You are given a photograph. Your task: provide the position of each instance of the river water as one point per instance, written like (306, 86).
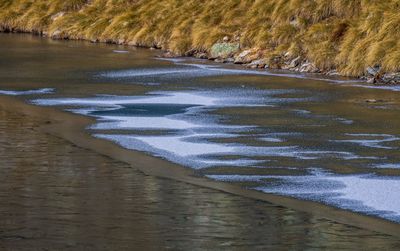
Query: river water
(331, 141)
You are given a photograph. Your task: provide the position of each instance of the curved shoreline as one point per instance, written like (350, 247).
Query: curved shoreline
(71, 127)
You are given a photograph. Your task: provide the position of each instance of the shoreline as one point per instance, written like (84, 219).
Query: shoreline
(302, 66)
(71, 127)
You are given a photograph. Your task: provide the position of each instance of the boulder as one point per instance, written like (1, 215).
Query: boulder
(223, 50)
(243, 57)
(373, 71)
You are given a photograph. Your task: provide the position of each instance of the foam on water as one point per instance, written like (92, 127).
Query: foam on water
(28, 92)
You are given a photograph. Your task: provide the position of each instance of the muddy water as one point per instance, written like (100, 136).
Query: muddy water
(308, 138)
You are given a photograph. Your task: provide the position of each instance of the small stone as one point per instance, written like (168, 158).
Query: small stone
(219, 60)
(371, 80)
(201, 55)
(260, 63)
(225, 39)
(56, 34)
(167, 54)
(332, 73)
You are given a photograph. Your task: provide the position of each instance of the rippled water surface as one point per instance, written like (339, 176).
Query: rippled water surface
(331, 141)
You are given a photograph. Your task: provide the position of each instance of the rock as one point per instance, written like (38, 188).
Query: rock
(225, 39)
(168, 54)
(132, 43)
(294, 22)
(243, 57)
(121, 41)
(219, 60)
(57, 35)
(371, 101)
(295, 62)
(57, 16)
(230, 60)
(223, 50)
(308, 67)
(260, 63)
(371, 80)
(391, 78)
(373, 71)
(333, 73)
(201, 55)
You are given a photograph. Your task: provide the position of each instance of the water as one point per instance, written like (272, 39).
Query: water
(56, 196)
(279, 133)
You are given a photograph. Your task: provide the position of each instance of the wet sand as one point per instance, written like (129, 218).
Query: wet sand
(58, 195)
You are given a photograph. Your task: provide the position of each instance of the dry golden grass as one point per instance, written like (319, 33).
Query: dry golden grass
(348, 35)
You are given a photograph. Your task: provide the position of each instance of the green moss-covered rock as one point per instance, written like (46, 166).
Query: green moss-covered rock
(224, 50)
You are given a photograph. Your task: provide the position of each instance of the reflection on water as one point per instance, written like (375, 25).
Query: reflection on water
(56, 196)
(230, 124)
(199, 141)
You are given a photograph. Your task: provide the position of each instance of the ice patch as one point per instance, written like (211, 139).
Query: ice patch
(124, 123)
(370, 140)
(28, 92)
(120, 51)
(370, 194)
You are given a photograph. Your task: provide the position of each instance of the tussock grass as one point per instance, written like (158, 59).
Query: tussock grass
(348, 35)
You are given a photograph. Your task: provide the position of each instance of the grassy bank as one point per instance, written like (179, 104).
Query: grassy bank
(346, 35)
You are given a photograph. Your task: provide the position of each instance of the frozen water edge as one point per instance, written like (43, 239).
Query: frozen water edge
(370, 194)
(28, 92)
